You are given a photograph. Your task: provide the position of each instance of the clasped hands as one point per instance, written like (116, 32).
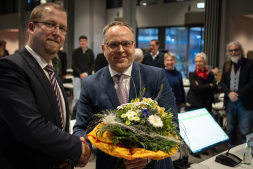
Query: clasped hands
(84, 158)
(233, 96)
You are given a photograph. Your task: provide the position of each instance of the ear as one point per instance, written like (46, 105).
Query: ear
(30, 27)
(103, 48)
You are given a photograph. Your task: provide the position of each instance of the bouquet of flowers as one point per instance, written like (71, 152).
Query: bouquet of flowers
(139, 129)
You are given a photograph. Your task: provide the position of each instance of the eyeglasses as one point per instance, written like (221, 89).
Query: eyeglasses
(114, 45)
(233, 50)
(50, 26)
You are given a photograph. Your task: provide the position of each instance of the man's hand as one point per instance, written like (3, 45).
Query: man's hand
(233, 96)
(83, 75)
(64, 165)
(84, 159)
(137, 163)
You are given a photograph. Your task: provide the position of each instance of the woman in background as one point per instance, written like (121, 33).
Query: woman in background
(202, 85)
(175, 79)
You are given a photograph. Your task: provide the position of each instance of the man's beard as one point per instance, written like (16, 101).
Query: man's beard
(235, 58)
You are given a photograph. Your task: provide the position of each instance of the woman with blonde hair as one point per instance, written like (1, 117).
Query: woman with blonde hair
(175, 79)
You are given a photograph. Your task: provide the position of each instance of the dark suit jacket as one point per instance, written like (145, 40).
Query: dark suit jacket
(158, 62)
(202, 94)
(63, 56)
(98, 93)
(245, 84)
(30, 124)
(100, 62)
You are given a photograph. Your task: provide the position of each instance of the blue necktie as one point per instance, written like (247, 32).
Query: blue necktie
(52, 77)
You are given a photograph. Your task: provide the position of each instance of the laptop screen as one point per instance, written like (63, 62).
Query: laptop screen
(199, 130)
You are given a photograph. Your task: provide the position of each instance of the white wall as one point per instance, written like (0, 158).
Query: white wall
(241, 31)
(89, 19)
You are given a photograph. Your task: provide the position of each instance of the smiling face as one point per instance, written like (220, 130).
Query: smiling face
(153, 47)
(200, 63)
(119, 59)
(169, 63)
(47, 43)
(83, 43)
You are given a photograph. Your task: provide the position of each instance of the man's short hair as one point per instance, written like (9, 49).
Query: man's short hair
(37, 12)
(156, 41)
(169, 54)
(83, 37)
(116, 23)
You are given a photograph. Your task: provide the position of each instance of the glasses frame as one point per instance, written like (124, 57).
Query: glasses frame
(119, 43)
(233, 50)
(54, 26)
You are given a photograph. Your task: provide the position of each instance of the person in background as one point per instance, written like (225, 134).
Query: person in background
(99, 90)
(82, 65)
(63, 58)
(34, 116)
(202, 85)
(175, 80)
(155, 57)
(57, 65)
(138, 55)
(100, 62)
(3, 42)
(237, 84)
(2, 53)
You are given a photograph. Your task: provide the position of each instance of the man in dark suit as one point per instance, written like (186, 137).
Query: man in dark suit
(237, 84)
(99, 90)
(155, 57)
(34, 122)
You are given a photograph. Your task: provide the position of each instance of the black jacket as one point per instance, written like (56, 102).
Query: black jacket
(202, 93)
(82, 62)
(245, 84)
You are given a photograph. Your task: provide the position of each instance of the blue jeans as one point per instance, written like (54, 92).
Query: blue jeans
(77, 83)
(237, 115)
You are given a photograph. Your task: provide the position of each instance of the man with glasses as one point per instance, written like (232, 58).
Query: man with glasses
(34, 116)
(237, 84)
(155, 57)
(99, 90)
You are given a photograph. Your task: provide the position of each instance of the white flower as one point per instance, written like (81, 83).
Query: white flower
(123, 116)
(131, 115)
(155, 120)
(136, 118)
(120, 107)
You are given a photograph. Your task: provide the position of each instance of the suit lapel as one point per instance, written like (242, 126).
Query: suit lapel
(109, 87)
(35, 67)
(135, 82)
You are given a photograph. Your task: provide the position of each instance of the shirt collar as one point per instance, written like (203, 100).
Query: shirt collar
(154, 55)
(127, 72)
(38, 58)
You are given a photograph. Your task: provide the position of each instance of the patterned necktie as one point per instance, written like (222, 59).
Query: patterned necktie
(52, 77)
(121, 92)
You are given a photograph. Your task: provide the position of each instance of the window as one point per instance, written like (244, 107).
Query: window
(184, 42)
(145, 36)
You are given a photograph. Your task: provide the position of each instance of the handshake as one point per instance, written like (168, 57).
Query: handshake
(84, 158)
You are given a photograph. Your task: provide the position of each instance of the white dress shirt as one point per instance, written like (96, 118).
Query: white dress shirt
(126, 80)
